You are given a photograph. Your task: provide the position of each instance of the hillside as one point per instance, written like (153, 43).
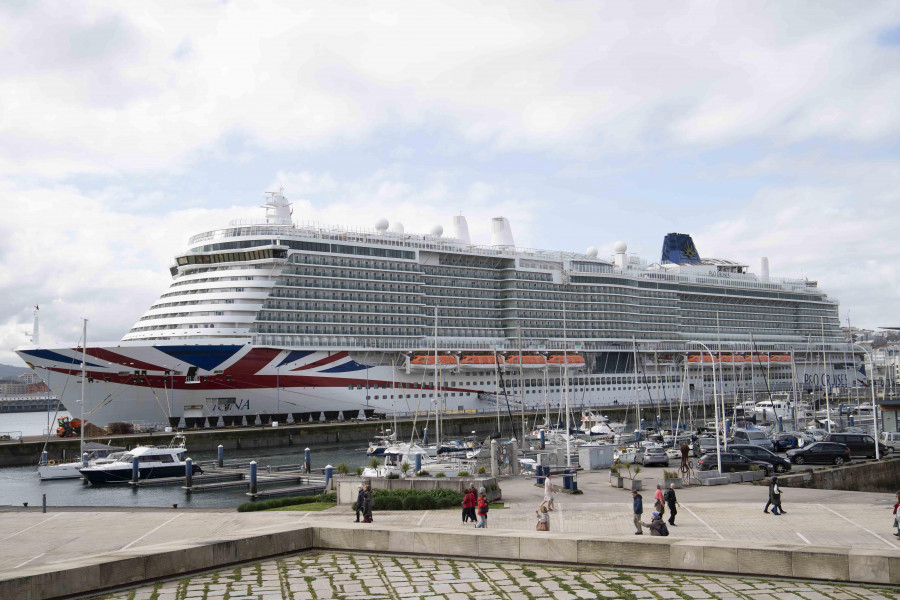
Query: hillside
(10, 371)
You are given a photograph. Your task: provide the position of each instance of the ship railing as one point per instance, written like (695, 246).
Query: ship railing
(10, 436)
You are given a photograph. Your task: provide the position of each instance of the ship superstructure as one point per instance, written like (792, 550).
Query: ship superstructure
(274, 318)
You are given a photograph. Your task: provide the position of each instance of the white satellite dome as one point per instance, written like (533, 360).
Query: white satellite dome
(620, 247)
(381, 225)
(437, 230)
(591, 252)
(397, 227)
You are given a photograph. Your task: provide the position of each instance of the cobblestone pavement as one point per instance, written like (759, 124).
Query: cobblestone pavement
(327, 575)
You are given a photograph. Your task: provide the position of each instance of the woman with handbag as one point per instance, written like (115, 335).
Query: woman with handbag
(543, 518)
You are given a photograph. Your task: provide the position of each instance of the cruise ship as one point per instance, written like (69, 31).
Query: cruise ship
(273, 320)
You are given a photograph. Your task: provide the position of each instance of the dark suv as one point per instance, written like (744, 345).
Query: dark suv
(820, 452)
(860, 444)
(731, 461)
(780, 465)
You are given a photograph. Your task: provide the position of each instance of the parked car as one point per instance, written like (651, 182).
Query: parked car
(778, 464)
(860, 445)
(652, 455)
(891, 438)
(731, 461)
(821, 453)
(785, 441)
(756, 437)
(625, 455)
(817, 434)
(703, 446)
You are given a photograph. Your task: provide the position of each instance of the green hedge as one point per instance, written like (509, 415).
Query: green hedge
(279, 502)
(414, 499)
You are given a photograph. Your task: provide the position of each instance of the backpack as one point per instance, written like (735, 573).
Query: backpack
(663, 530)
(667, 497)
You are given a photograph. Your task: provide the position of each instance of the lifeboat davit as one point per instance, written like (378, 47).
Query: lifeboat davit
(426, 362)
(472, 362)
(573, 361)
(527, 361)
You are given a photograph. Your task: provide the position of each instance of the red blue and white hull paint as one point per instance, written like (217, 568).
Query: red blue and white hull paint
(154, 384)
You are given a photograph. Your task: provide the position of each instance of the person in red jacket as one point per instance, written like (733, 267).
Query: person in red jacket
(468, 505)
(896, 516)
(482, 511)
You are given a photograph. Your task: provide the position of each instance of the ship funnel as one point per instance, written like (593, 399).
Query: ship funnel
(278, 209)
(764, 268)
(461, 229)
(501, 233)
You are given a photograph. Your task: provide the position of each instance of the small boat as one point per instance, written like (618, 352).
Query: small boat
(477, 362)
(526, 361)
(426, 362)
(398, 455)
(573, 361)
(153, 462)
(381, 443)
(98, 454)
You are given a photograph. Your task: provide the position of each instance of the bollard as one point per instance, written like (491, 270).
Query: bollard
(425, 436)
(189, 473)
(135, 471)
(567, 479)
(84, 460)
(43, 503)
(539, 469)
(221, 456)
(659, 422)
(514, 457)
(253, 478)
(851, 420)
(780, 424)
(307, 461)
(418, 462)
(329, 473)
(495, 450)
(574, 487)
(44, 458)
(543, 439)
(643, 425)
(637, 435)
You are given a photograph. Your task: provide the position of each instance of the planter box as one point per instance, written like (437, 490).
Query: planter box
(748, 477)
(677, 481)
(758, 475)
(615, 482)
(631, 484)
(723, 480)
(734, 477)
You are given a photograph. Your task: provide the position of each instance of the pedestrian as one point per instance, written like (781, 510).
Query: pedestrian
(656, 525)
(896, 523)
(658, 499)
(543, 518)
(548, 493)
(367, 504)
(360, 499)
(482, 511)
(774, 502)
(637, 506)
(468, 504)
(672, 501)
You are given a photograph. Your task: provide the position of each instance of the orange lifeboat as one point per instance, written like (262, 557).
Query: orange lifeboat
(696, 358)
(559, 360)
(781, 358)
(477, 361)
(421, 362)
(528, 361)
(757, 358)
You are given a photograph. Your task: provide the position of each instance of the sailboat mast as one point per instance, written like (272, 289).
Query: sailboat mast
(825, 380)
(637, 398)
(83, 379)
(566, 388)
(437, 412)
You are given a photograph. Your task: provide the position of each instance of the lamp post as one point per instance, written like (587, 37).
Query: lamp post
(874, 406)
(715, 404)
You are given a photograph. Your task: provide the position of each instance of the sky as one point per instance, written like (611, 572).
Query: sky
(761, 128)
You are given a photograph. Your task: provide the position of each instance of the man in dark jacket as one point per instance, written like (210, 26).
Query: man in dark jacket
(655, 525)
(360, 497)
(672, 502)
(637, 506)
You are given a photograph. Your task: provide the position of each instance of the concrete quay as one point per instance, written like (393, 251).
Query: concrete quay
(826, 534)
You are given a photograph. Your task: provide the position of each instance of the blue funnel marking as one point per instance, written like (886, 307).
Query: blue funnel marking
(57, 357)
(679, 248)
(203, 357)
(346, 367)
(294, 355)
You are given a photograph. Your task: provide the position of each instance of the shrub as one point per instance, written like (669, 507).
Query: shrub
(342, 468)
(754, 467)
(393, 476)
(423, 473)
(279, 502)
(462, 474)
(670, 474)
(440, 474)
(482, 470)
(374, 463)
(359, 471)
(614, 471)
(405, 467)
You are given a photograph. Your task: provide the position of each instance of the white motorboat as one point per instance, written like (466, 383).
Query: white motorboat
(398, 455)
(98, 454)
(153, 462)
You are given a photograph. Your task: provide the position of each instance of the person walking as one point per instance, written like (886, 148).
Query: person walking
(482, 511)
(773, 501)
(672, 502)
(468, 505)
(896, 523)
(777, 502)
(655, 525)
(367, 504)
(637, 506)
(543, 518)
(548, 493)
(658, 499)
(360, 498)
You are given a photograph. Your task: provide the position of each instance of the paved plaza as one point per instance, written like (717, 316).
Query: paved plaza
(361, 576)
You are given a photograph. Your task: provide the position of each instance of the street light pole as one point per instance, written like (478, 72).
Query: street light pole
(715, 404)
(874, 406)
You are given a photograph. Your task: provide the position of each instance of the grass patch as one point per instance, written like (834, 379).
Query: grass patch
(311, 507)
(279, 502)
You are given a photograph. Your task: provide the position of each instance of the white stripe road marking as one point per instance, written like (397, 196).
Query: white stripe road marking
(149, 532)
(860, 526)
(803, 538)
(33, 526)
(20, 565)
(422, 518)
(688, 508)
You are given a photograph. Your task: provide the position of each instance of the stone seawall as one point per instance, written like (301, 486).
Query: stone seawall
(882, 476)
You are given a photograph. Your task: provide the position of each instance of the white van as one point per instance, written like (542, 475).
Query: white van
(891, 438)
